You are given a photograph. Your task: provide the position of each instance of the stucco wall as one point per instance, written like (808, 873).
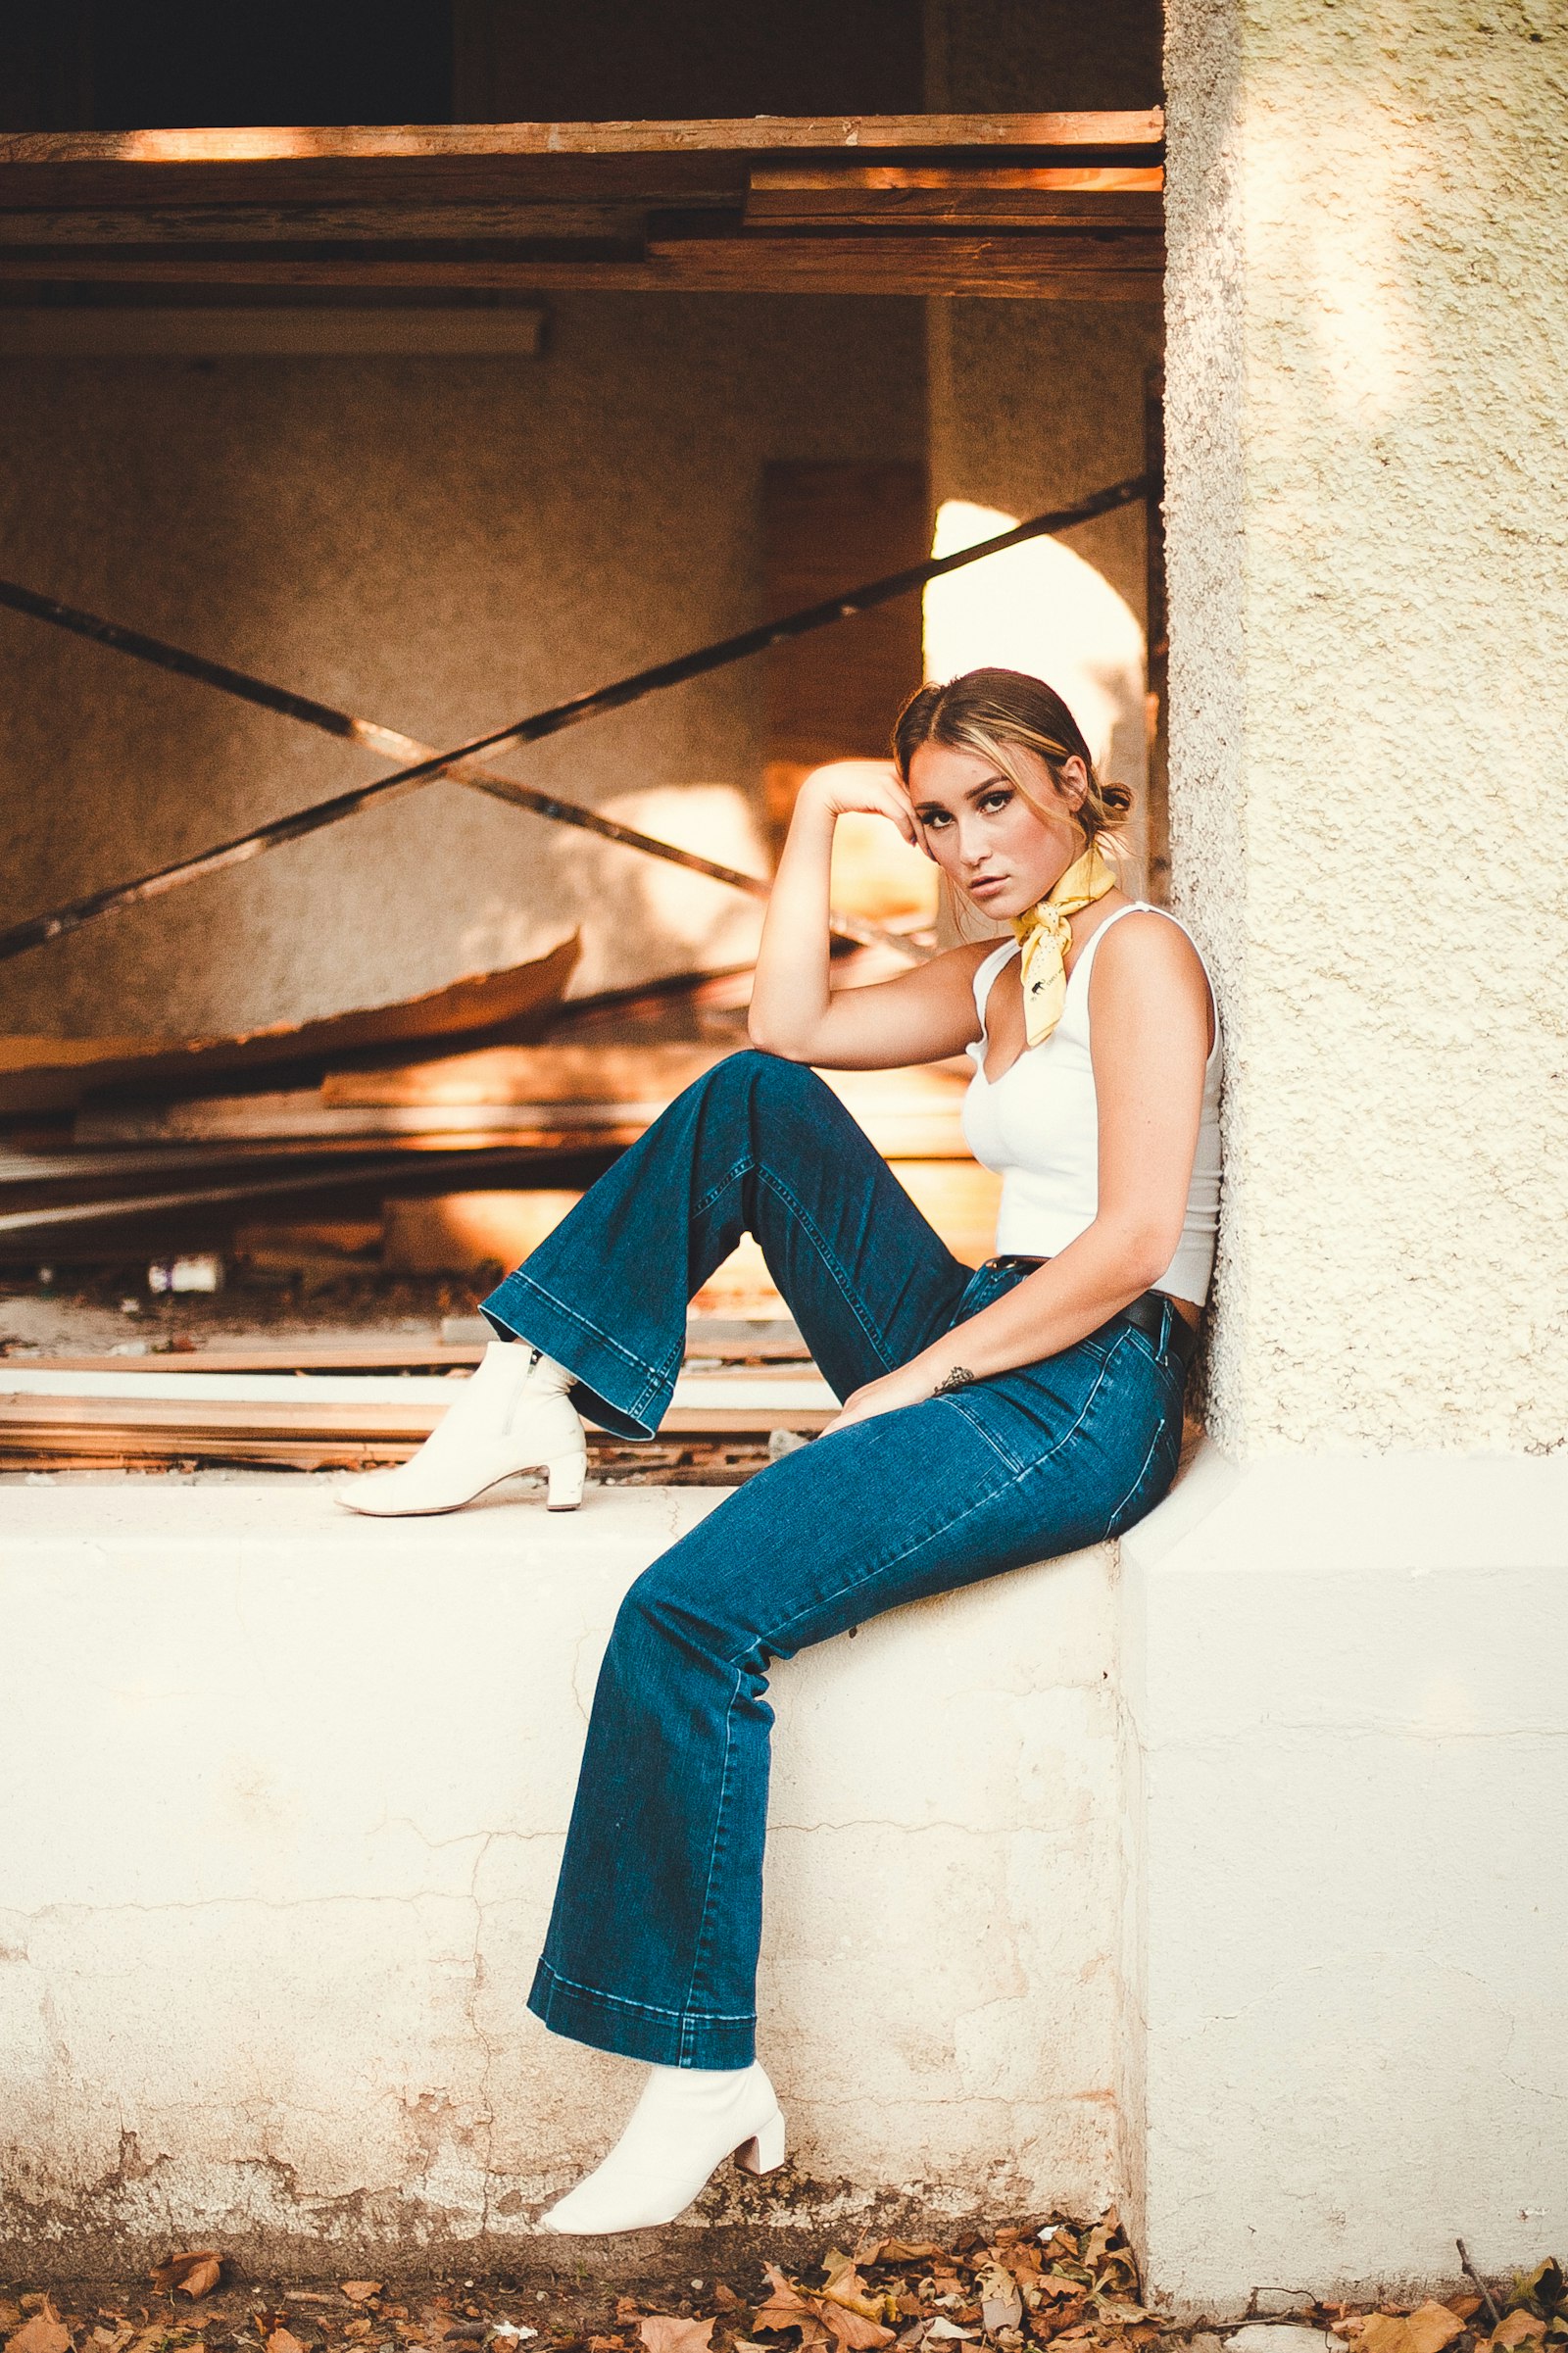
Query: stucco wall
(1368, 518)
(440, 544)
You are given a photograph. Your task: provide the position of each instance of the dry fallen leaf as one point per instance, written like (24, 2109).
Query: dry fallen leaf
(1427, 2330)
(359, 2291)
(661, 2334)
(852, 2327)
(1516, 2328)
(45, 2333)
(283, 2341)
(1001, 2304)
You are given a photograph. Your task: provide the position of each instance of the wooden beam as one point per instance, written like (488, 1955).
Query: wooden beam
(476, 161)
(571, 220)
(960, 195)
(954, 204)
(1076, 264)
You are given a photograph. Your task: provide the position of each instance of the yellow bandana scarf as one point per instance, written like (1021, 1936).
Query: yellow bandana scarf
(1046, 936)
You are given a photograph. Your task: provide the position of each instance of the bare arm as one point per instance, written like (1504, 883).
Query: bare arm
(1150, 1026)
(922, 1015)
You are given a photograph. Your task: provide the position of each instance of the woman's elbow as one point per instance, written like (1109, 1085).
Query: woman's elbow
(1147, 1251)
(771, 1037)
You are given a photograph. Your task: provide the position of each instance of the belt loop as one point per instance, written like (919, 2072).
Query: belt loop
(1167, 1316)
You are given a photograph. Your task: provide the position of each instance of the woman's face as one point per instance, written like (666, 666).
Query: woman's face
(994, 846)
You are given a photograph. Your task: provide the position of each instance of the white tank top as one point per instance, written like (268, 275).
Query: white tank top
(1038, 1127)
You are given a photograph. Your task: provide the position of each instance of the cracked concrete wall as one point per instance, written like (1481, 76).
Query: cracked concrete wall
(438, 544)
(1368, 545)
(285, 1797)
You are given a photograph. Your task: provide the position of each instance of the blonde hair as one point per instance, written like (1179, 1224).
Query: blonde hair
(1000, 714)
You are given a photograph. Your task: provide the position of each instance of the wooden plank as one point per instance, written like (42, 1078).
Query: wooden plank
(481, 163)
(52, 1074)
(590, 1075)
(343, 330)
(569, 220)
(209, 1426)
(303, 1120)
(535, 1075)
(379, 1356)
(1075, 265)
(460, 1233)
(953, 195)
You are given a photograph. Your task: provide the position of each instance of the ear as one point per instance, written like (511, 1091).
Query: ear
(1073, 782)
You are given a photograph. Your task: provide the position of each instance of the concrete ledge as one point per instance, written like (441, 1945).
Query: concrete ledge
(1347, 1789)
(284, 1793)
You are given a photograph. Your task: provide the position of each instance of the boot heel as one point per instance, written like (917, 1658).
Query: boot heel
(567, 1474)
(764, 2153)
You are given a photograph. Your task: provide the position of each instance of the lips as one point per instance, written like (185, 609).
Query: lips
(986, 883)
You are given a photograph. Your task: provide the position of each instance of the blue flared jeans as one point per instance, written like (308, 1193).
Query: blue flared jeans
(652, 1943)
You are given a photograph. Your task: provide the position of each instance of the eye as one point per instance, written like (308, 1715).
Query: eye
(933, 819)
(996, 801)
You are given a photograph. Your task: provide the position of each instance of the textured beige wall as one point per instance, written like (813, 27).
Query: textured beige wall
(1368, 311)
(439, 544)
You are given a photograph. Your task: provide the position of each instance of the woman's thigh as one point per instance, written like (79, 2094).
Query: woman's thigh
(921, 1501)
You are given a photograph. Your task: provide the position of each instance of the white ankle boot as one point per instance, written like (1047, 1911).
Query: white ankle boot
(688, 2121)
(513, 1415)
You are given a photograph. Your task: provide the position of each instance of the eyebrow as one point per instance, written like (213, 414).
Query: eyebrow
(971, 792)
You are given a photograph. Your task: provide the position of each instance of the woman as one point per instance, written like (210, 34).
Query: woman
(989, 1419)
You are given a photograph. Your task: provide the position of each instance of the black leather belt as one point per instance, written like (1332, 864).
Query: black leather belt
(1151, 1313)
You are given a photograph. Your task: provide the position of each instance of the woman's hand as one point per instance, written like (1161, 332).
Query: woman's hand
(910, 1384)
(849, 788)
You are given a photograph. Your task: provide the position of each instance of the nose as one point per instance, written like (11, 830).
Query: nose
(973, 848)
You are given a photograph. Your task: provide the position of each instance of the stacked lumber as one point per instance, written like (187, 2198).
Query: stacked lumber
(441, 1138)
(354, 1406)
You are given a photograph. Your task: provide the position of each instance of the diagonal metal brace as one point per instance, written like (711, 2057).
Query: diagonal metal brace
(463, 761)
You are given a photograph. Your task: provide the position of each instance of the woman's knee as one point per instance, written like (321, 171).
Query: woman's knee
(665, 1618)
(756, 1076)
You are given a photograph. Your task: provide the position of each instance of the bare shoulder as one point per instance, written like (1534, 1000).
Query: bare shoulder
(1147, 963)
(954, 969)
(1145, 946)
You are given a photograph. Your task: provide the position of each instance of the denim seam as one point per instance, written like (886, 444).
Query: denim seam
(1154, 1448)
(891, 1562)
(700, 1949)
(654, 1379)
(618, 2001)
(1024, 1468)
(816, 1237)
(820, 1244)
(991, 1440)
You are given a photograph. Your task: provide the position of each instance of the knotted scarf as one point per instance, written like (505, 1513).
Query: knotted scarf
(1046, 935)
